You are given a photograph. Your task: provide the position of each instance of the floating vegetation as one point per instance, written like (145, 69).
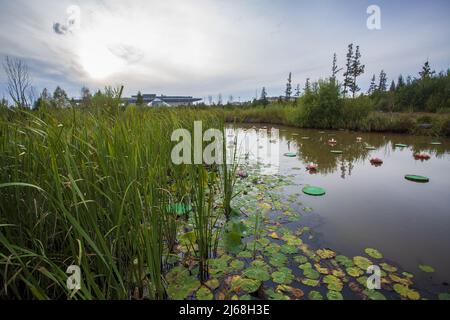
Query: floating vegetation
(426, 268)
(416, 178)
(374, 253)
(314, 191)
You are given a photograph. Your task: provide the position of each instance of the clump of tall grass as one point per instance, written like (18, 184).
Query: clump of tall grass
(92, 187)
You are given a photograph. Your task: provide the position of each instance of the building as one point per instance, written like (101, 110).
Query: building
(152, 100)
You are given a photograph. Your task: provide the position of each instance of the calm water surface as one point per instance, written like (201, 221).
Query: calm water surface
(368, 206)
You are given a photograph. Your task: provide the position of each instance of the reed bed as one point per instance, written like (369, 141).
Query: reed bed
(96, 188)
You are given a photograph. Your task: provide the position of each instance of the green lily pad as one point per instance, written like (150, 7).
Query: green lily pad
(354, 272)
(283, 276)
(278, 259)
(239, 284)
(181, 283)
(373, 253)
(237, 265)
(334, 283)
(344, 261)
(334, 295)
(315, 295)
(314, 191)
(300, 259)
(311, 274)
(406, 292)
(276, 295)
(233, 241)
(374, 295)
(289, 249)
(213, 283)
(387, 267)
(362, 262)
(245, 254)
(179, 208)
(326, 253)
(257, 273)
(416, 178)
(290, 154)
(204, 294)
(426, 268)
(310, 282)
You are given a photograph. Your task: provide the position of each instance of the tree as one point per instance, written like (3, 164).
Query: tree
(263, 98)
(219, 99)
(86, 97)
(392, 87)
(18, 82)
(382, 86)
(400, 82)
(426, 71)
(297, 91)
(230, 99)
(373, 85)
(334, 69)
(307, 86)
(139, 99)
(357, 69)
(3, 103)
(289, 87)
(60, 98)
(348, 74)
(44, 100)
(210, 100)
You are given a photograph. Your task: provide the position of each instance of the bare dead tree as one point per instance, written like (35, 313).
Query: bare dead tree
(18, 82)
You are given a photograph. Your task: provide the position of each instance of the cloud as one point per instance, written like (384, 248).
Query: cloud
(204, 47)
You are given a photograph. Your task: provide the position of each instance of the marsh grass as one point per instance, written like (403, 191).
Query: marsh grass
(92, 187)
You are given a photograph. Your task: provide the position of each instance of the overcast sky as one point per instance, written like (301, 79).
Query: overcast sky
(207, 47)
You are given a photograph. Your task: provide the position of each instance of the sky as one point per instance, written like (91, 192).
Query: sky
(211, 47)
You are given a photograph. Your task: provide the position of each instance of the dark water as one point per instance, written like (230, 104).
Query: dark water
(369, 206)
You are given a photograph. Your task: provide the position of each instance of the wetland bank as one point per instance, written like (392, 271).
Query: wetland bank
(100, 196)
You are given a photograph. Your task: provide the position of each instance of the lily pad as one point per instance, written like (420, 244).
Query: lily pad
(278, 259)
(362, 262)
(334, 283)
(300, 259)
(344, 261)
(373, 253)
(326, 253)
(213, 283)
(406, 292)
(311, 274)
(181, 283)
(283, 276)
(334, 295)
(257, 273)
(315, 295)
(289, 249)
(244, 285)
(374, 295)
(204, 294)
(354, 272)
(310, 282)
(426, 268)
(387, 267)
(314, 191)
(237, 265)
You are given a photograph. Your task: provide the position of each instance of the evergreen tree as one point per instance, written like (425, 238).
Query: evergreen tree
(392, 88)
(426, 71)
(289, 87)
(348, 74)
(297, 91)
(382, 86)
(357, 69)
(400, 82)
(139, 99)
(334, 69)
(307, 86)
(373, 86)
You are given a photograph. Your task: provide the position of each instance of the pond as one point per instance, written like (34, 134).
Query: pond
(366, 205)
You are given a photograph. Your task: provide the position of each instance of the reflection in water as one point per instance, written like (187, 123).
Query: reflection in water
(368, 205)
